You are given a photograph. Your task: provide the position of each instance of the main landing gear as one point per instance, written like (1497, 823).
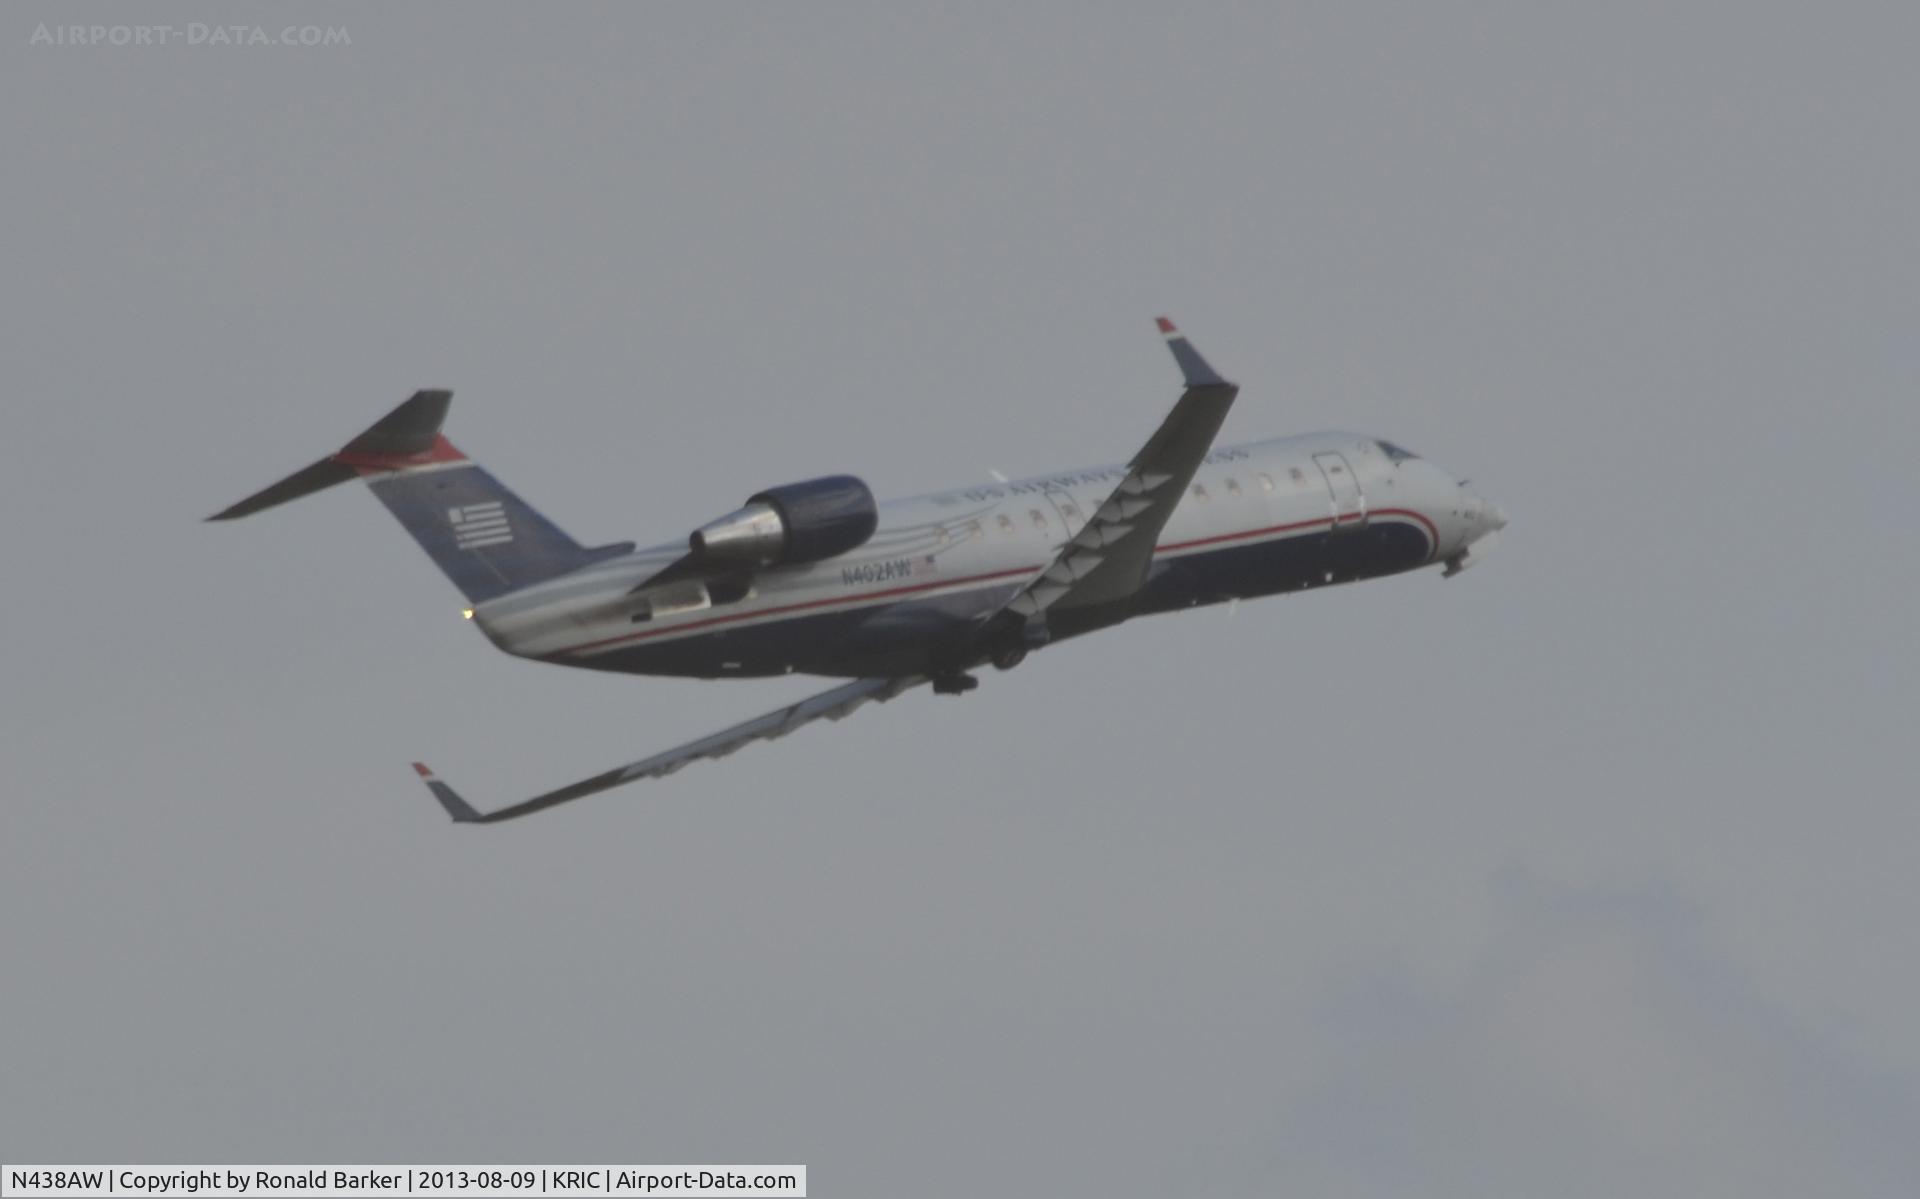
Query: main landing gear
(957, 682)
(1005, 645)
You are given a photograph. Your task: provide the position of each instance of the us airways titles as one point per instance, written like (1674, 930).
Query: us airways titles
(1061, 482)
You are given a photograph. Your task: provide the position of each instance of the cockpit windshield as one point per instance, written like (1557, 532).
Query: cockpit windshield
(1395, 453)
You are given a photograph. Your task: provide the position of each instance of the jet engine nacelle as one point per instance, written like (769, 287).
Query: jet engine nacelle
(800, 522)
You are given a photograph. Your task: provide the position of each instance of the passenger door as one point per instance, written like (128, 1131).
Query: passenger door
(1343, 490)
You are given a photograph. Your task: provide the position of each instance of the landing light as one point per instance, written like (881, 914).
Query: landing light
(466, 614)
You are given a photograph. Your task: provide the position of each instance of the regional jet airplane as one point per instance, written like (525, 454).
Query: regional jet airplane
(817, 577)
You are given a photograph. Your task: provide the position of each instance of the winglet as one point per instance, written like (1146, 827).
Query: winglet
(461, 811)
(1198, 373)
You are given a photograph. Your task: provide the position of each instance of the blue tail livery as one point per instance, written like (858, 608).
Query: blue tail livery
(485, 538)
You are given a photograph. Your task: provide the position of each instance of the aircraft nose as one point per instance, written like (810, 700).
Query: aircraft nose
(1481, 536)
(1484, 518)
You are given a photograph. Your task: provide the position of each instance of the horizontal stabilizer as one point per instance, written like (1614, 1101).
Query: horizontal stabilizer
(318, 477)
(408, 431)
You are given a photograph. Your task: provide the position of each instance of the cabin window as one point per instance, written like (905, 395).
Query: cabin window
(1297, 476)
(1233, 488)
(1006, 524)
(973, 529)
(1039, 519)
(1067, 509)
(1200, 493)
(940, 534)
(1266, 481)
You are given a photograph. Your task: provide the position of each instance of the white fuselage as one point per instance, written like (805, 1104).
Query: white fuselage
(1258, 518)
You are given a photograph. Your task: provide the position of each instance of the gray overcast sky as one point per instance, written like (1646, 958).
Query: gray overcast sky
(1590, 872)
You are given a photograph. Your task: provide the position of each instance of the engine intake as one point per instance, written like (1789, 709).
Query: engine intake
(799, 522)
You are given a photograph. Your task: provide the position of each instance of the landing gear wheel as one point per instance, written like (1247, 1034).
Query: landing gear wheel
(1007, 659)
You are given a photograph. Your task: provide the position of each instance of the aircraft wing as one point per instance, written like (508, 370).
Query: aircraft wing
(832, 705)
(1108, 558)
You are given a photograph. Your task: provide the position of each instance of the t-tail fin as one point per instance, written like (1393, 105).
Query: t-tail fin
(487, 539)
